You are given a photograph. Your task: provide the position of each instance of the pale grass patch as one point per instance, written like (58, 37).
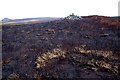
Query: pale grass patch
(103, 64)
(106, 54)
(44, 58)
(100, 63)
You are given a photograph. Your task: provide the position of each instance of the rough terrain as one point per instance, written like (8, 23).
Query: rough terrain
(84, 48)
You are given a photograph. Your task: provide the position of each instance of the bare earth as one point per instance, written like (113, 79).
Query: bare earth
(84, 48)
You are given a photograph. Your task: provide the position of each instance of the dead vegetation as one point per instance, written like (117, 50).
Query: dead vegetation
(80, 48)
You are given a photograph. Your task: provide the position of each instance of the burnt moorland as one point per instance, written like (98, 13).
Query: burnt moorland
(88, 47)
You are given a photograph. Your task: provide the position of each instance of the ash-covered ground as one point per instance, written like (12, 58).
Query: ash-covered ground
(82, 48)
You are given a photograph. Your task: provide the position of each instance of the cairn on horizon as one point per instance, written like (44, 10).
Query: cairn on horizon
(73, 17)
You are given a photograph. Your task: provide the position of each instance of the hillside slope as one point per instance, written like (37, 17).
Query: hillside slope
(84, 48)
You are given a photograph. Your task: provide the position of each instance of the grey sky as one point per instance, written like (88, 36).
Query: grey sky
(16, 9)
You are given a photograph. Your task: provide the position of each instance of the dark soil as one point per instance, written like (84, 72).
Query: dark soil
(84, 48)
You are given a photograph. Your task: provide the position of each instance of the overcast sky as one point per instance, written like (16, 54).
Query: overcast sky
(17, 9)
